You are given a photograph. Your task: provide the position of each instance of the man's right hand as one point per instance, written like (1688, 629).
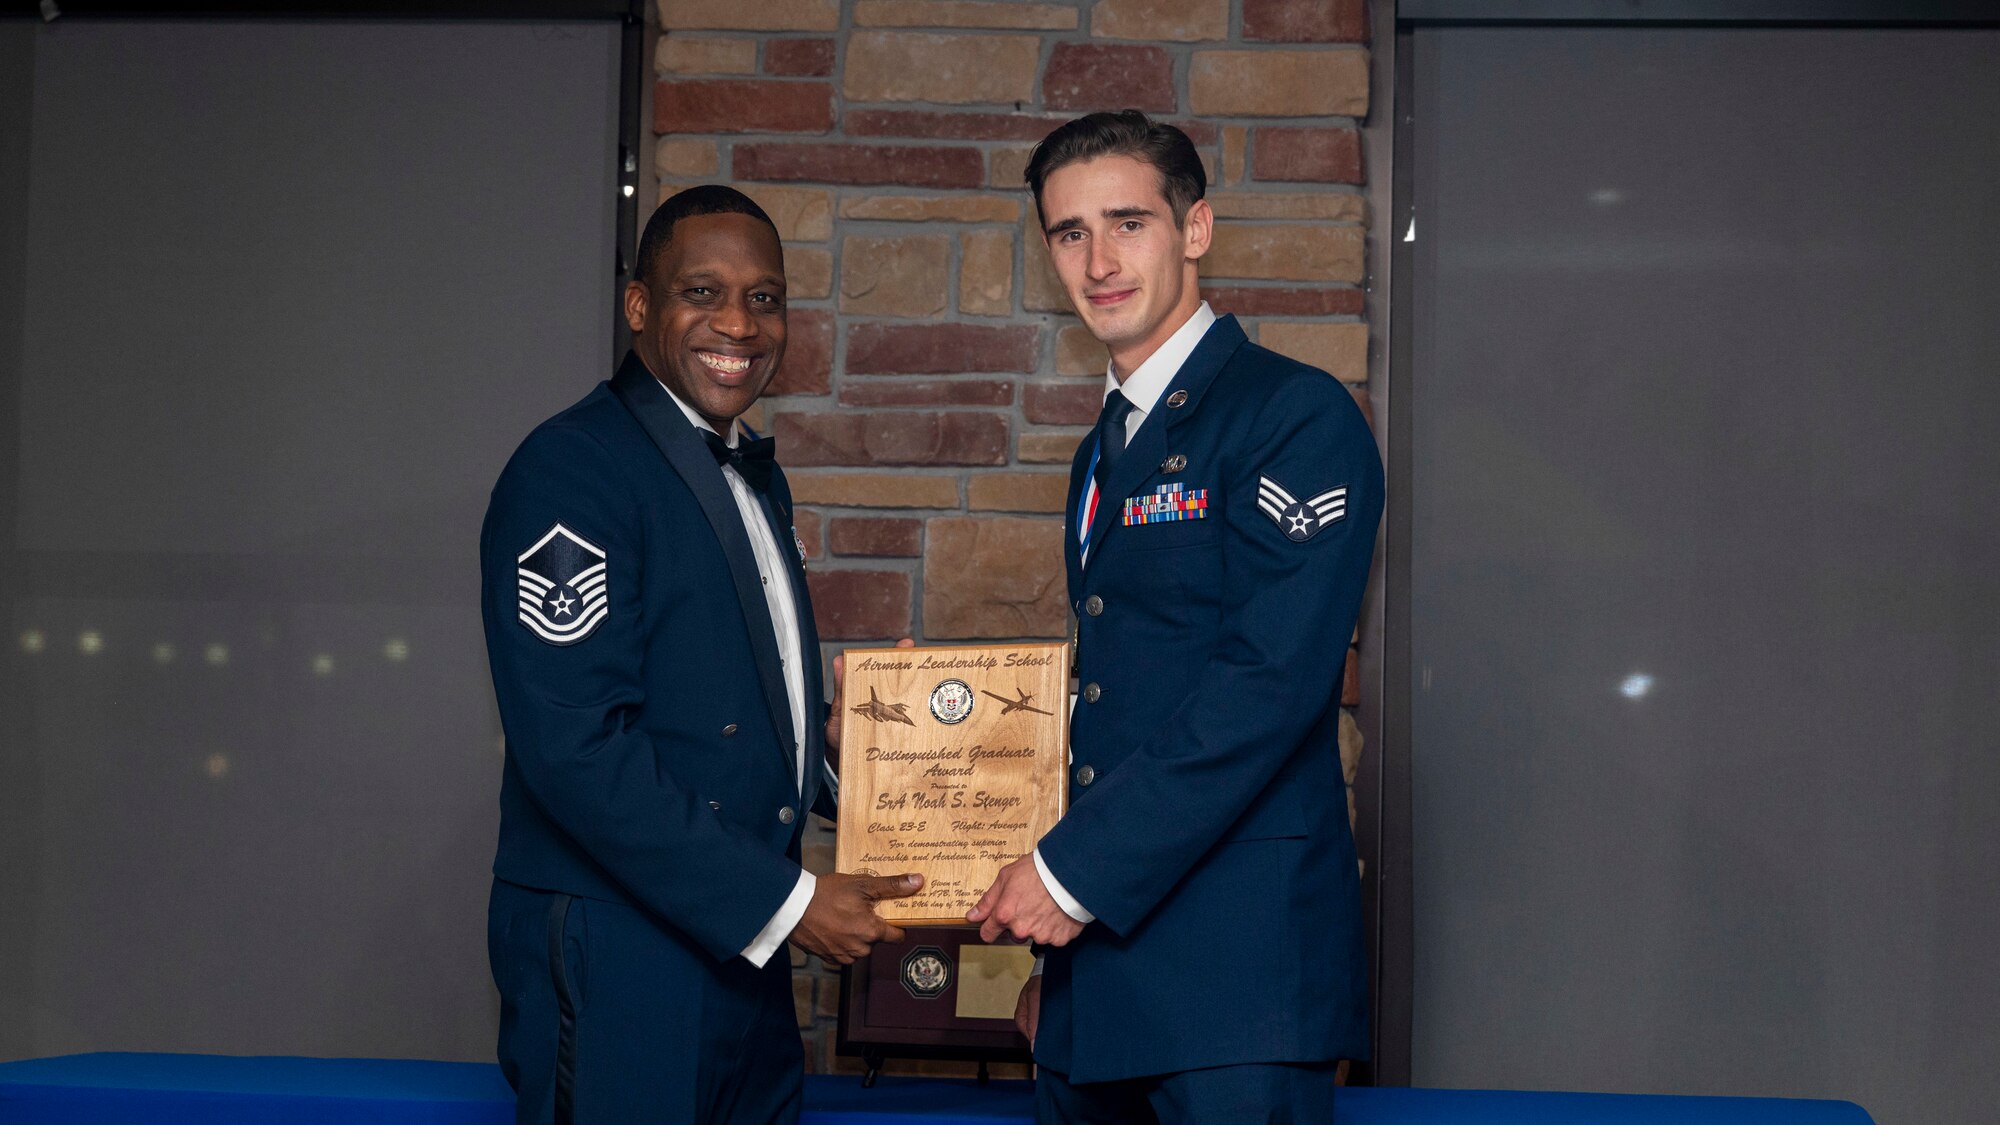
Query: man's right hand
(840, 922)
(1028, 1009)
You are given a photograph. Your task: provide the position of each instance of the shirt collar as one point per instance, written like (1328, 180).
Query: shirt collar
(1145, 385)
(700, 423)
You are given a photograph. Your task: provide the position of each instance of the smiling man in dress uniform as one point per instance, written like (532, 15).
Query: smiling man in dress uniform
(1199, 904)
(657, 670)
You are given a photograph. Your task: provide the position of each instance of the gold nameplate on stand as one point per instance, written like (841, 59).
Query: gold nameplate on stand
(953, 763)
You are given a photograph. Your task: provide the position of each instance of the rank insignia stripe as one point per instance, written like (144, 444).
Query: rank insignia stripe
(562, 594)
(1169, 503)
(1300, 520)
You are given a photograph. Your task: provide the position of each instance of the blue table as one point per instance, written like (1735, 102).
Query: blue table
(129, 1089)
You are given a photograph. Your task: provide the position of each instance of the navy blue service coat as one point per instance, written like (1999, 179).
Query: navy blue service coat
(650, 760)
(1208, 825)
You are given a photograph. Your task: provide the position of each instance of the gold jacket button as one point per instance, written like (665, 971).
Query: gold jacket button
(1092, 693)
(786, 815)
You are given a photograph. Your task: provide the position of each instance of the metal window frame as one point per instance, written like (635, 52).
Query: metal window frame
(632, 77)
(1383, 789)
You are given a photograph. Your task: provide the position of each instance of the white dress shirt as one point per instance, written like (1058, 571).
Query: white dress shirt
(1143, 388)
(785, 623)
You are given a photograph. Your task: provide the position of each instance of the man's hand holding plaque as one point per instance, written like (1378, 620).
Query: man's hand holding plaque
(1018, 905)
(953, 764)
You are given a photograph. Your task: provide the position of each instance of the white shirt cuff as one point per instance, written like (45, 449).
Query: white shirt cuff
(782, 923)
(1063, 898)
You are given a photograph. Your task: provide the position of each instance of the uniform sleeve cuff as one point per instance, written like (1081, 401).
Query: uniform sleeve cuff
(782, 923)
(1063, 898)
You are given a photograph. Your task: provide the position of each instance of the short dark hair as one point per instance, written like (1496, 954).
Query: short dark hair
(702, 199)
(1125, 133)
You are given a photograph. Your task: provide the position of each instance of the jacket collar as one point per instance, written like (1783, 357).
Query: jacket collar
(688, 454)
(1149, 445)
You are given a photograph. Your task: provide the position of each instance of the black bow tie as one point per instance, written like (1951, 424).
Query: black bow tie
(754, 460)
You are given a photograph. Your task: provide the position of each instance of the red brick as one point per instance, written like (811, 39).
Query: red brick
(915, 166)
(742, 105)
(808, 365)
(799, 58)
(806, 522)
(860, 605)
(941, 349)
(1306, 21)
(950, 126)
(1062, 404)
(1094, 76)
(1257, 300)
(847, 438)
(932, 125)
(877, 538)
(926, 392)
(1327, 156)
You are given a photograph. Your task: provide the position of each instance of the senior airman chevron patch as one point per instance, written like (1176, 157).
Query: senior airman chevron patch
(1300, 520)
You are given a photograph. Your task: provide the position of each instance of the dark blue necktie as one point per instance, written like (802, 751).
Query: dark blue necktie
(1111, 434)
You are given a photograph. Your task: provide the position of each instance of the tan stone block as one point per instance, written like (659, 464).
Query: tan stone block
(906, 66)
(1285, 252)
(1007, 167)
(933, 208)
(995, 578)
(1079, 353)
(1339, 349)
(800, 214)
(1332, 206)
(808, 272)
(1017, 492)
(873, 490)
(1235, 144)
(684, 158)
(1179, 21)
(705, 54)
(1052, 448)
(964, 13)
(1350, 745)
(767, 15)
(986, 272)
(1309, 83)
(902, 276)
(1041, 289)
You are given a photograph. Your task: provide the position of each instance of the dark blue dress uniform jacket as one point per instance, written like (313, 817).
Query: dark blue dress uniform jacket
(1208, 826)
(652, 762)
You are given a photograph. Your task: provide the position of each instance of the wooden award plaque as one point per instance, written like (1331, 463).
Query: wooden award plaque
(953, 762)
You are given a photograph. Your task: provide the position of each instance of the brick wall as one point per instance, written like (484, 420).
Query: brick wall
(937, 382)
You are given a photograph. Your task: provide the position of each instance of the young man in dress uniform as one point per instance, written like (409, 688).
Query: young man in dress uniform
(657, 670)
(1199, 904)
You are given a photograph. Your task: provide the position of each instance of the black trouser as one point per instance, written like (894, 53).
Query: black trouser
(608, 1017)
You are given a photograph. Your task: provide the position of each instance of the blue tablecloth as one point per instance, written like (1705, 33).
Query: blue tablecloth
(129, 1089)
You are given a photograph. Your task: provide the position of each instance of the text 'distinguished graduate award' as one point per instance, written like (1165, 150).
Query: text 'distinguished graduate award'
(953, 763)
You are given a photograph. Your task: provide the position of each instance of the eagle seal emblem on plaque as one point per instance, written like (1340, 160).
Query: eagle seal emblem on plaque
(926, 972)
(951, 701)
